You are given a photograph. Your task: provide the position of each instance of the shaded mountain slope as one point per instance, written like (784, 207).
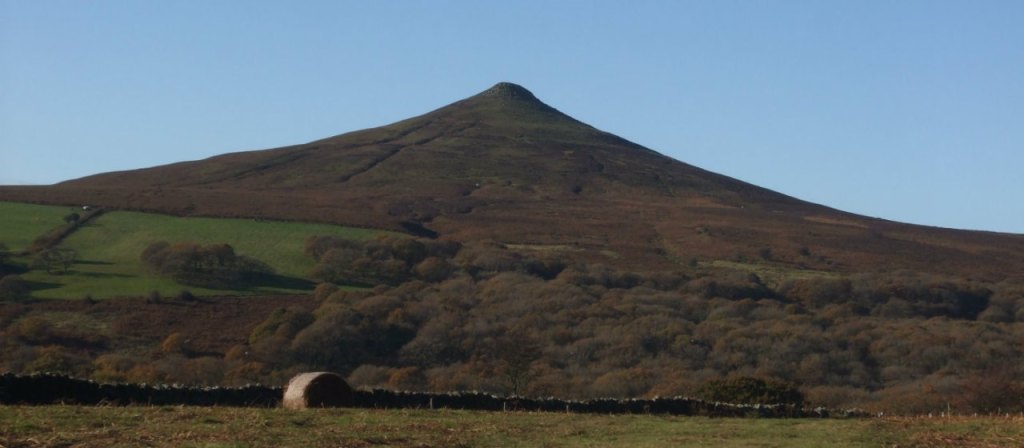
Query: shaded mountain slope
(503, 165)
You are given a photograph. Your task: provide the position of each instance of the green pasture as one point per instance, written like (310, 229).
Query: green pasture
(109, 247)
(182, 426)
(20, 224)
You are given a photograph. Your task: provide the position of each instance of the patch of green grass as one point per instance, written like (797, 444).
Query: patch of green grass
(191, 426)
(771, 275)
(74, 322)
(110, 245)
(20, 224)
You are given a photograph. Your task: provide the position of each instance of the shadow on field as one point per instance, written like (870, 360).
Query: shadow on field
(281, 281)
(94, 262)
(102, 275)
(41, 286)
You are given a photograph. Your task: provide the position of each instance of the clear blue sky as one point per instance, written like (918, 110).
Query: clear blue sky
(906, 110)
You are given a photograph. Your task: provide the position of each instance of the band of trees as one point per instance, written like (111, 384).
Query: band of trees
(444, 316)
(210, 266)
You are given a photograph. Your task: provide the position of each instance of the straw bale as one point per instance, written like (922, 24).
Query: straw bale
(317, 390)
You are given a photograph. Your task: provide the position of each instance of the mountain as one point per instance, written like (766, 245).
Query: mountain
(502, 165)
(622, 273)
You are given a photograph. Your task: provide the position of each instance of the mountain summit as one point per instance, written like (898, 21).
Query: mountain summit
(506, 95)
(509, 91)
(502, 165)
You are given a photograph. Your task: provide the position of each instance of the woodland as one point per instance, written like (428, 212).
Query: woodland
(444, 316)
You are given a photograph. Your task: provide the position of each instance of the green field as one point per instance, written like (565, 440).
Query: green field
(109, 247)
(20, 224)
(176, 426)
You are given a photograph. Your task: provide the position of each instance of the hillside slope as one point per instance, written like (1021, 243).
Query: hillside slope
(502, 165)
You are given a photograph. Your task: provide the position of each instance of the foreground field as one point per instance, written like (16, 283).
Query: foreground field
(222, 427)
(109, 248)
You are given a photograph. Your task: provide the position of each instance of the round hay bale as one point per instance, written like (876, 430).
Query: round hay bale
(317, 390)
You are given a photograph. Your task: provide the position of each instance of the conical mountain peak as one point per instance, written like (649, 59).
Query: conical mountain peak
(507, 98)
(509, 91)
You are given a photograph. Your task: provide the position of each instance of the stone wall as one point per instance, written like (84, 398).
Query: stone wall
(50, 389)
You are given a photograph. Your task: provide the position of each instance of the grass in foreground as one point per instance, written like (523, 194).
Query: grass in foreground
(110, 245)
(224, 427)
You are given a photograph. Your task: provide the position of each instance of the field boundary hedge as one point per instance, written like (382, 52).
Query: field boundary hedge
(54, 236)
(42, 389)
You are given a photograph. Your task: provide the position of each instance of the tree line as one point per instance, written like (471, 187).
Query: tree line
(443, 316)
(211, 266)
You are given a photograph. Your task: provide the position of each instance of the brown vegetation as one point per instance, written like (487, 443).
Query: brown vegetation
(512, 169)
(13, 288)
(134, 340)
(587, 332)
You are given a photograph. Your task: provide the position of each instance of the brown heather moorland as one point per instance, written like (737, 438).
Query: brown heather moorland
(504, 166)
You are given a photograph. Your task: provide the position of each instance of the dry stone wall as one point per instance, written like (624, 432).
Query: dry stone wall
(49, 389)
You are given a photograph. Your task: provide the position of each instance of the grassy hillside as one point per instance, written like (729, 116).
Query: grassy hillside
(109, 248)
(184, 426)
(22, 223)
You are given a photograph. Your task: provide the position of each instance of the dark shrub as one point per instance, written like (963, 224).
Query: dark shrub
(211, 266)
(733, 285)
(13, 288)
(817, 292)
(749, 390)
